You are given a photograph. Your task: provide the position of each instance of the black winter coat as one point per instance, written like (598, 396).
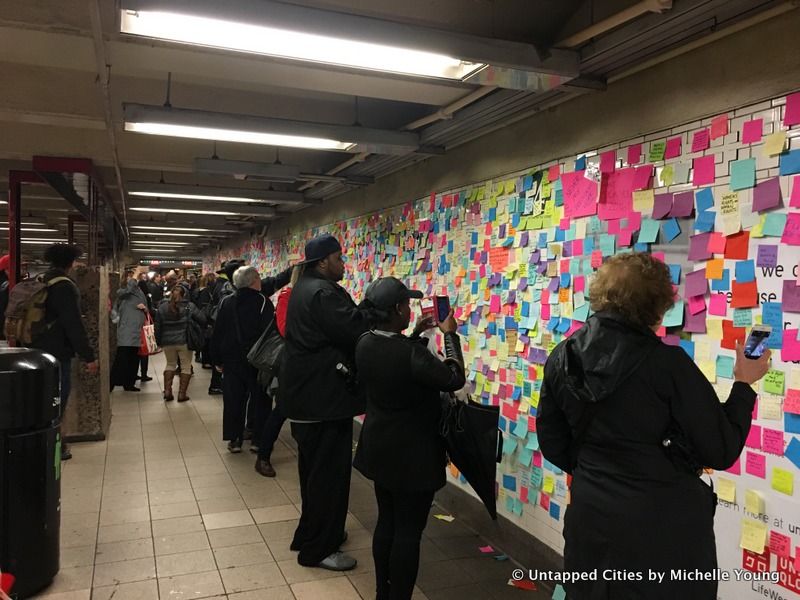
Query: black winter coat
(400, 446)
(634, 506)
(65, 335)
(323, 325)
(171, 327)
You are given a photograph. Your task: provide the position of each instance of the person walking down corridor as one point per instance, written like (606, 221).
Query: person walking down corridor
(131, 307)
(172, 321)
(322, 327)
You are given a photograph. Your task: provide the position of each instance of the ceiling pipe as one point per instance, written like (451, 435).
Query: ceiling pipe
(615, 20)
(445, 112)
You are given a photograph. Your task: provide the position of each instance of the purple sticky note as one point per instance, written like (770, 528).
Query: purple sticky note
(553, 287)
(696, 283)
(791, 296)
(523, 239)
(682, 204)
(767, 256)
(767, 194)
(662, 205)
(698, 247)
(523, 284)
(694, 323)
(703, 170)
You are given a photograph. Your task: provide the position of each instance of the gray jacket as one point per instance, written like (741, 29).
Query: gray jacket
(171, 328)
(131, 319)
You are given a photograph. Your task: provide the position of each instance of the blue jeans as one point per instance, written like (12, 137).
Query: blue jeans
(66, 383)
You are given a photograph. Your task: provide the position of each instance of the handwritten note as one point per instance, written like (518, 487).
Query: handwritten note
(580, 195)
(754, 536)
(730, 219)
(657, 150)
(791, 231)
(701, 140)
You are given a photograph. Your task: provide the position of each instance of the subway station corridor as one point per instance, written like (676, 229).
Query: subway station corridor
(161, 510)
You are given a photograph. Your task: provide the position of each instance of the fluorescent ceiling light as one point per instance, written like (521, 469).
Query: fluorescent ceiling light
(191, 197)
(157, 243)
(169, 228)
(184, 211)
(40, 241)
(162, 250)
(177, 191)
(33, 229)
(298, 45)
(167, 233)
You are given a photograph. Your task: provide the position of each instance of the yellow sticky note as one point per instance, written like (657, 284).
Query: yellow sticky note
(754, 536)
(643, 201)
(753, 502)
(726, 489)
(773, 144)
(709, 369)
(769, 409)
(782, 481)
(714, 268)
(714, 329)
(548, 487)
(667, 175)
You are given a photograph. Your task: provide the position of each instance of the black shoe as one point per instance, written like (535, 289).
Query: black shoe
(131, 388)
(214, 391)
(235, 446)
(248, 434)
(66, 453)
(145, 379)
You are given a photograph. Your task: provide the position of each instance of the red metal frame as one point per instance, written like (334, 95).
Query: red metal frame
(15, 181)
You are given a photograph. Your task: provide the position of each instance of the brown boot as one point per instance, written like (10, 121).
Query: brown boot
(263, 467)
(182, 397)
(168, 377)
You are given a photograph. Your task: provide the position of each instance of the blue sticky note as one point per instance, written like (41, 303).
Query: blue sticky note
(564, 281)
(533, 441)
(564, 325)
(559, 593)
(705, 221)
(743, 174)
(745, 271)
(555, 510)
(674, 316)
(772, 314)
(790, 162)
(791, 423)
(675, 273)
(640, 247)
(688, 347)
(724, 284)
(581, 314)
(607, 244)
(671, 229)
(793, 452)
(517, 507)
(725, 367)
(510, 504)
(649, 231)
(775, 223)
(509, 445)
(510, 482)
(704, 199)
(580, 164)
(525, 457)
(501, 420)
(521, 428)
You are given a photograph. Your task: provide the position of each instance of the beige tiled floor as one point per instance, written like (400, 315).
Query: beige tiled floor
(162, 511)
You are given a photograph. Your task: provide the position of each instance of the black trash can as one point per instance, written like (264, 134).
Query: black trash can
(30, 468)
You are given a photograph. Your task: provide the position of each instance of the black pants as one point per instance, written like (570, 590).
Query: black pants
(126, 363)
(144, 362)
(324, 463)
(239, 385)
(270, 432)
(216, 376)
(395, 545)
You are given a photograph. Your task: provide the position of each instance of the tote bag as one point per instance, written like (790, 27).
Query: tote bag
(148, 344)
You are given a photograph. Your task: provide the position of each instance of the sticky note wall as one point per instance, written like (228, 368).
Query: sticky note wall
(718, 200)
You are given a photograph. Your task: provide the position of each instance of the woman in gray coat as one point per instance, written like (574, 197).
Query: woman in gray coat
(131, 308)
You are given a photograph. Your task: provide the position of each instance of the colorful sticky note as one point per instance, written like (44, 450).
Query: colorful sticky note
(754, 536)
(743, 173)
(793, 452)
(791, 114)
(719, 126)
(737, 246)
(580, 195)
(780, 544)
(774, 143)
(744, 294)
(772, 441)
(753, 439)
(752, 131)
(671, 230)
(701, 140)
(790, 163)
(725, 367)
(754, 502)
(791, 231)
(767, 256)
(718, 305)
(608, 161)
(696, 283)
(783, 481)
(791, 296)
(703, 170)
(634, 154)
(794, 200)
(774, 382)
(745, 271)
(673, 147)
(790, 347)
(726, 489)
(767, 194)
(657, 150)
(698, 247)
(755, 464)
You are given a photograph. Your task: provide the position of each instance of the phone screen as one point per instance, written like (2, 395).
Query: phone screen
(755, 344)
(442, 307)
(428, 307)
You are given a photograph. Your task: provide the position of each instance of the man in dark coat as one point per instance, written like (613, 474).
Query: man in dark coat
(634, 421)
(323, 325)
(222, 288)
(3, 293)
(156, 288)
(65, 335)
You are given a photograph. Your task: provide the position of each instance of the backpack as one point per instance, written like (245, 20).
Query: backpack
(226, 290)
(25, 314)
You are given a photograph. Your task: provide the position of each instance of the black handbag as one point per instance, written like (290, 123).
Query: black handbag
(265, 355)
(195, 335)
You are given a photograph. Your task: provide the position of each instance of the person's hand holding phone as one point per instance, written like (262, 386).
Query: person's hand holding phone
(449, 325)
(748, 370)
(423, 324)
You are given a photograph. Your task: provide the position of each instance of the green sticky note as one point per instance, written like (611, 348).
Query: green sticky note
(774, 224)
(537, 477)
(743, 174)
(533, 441)
(518, 507)
(657, 151)
(674, 316)
(521, 429)
(559, 593)
(525, 457)
(742, 317)
(510, 504)
(725, 367)
(774, 381)
(649, 231)
(607, 244)
(509, 444)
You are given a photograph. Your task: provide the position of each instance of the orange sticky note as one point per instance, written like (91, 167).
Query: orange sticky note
(719, 126)
(736, 247)
(714, 268)
(730, 334)
(745, 295)
(716, 243)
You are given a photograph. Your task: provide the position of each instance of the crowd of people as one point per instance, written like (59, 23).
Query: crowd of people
(633, 420)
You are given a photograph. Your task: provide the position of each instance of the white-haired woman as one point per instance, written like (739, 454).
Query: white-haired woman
(241, 320)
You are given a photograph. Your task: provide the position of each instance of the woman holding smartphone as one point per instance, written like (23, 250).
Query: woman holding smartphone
(400, 448)
(635, 421)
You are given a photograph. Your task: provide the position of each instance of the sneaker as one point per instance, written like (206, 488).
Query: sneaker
(214, 391)
(263, 467)
(66, 453)
(235, 446)
(338, 561)
(145, 379)
(253, 448)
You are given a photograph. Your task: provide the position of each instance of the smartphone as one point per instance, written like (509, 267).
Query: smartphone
(442, 307)
(756, 341)
(428, 308)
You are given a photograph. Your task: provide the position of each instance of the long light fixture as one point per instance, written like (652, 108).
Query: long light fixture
(158, 243)
(222, 213)
(251, 129)
(170, 228)
(246, 210)
(175, 191)
(34, 229)
(293, 44)
(168, 233)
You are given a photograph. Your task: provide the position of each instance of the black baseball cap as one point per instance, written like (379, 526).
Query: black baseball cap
(320, 247)
(387, 292)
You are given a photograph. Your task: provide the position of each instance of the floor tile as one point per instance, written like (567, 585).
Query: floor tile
(78, 556)
(125, 550)
(73, 595)
(251, 577)
(224, 520)
(180, 542)
(295, 573)
(336, 589)
(275, 593)
(224, 504)
(272, 514)
(197, 561)
(176, 525)
(171, 496)
(127, 515)
(170, 511)
(139, 590)
(240, 556)
(124, 572)
(234, 536)
(196, 585)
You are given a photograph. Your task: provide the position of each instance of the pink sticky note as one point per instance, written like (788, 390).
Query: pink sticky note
(719, 126)
(772, 441)
(791, 116)
(701, 140)
(703, 170)
(537, 459)
(608, 161)
(494, 304)
(791, 403)
(673, 148)
(544, 501)
(794, 200)
(752, 131)
(717, 243)
(790, 349)
(616, 194)
(523, 494)
(486, 549)
(736, 468)
(780, 544)
(791, 232)
(634, 154)
(553, 173)
(641, 180)
(756, 465)
(697, 304)
(718, 305)
(754, 437)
